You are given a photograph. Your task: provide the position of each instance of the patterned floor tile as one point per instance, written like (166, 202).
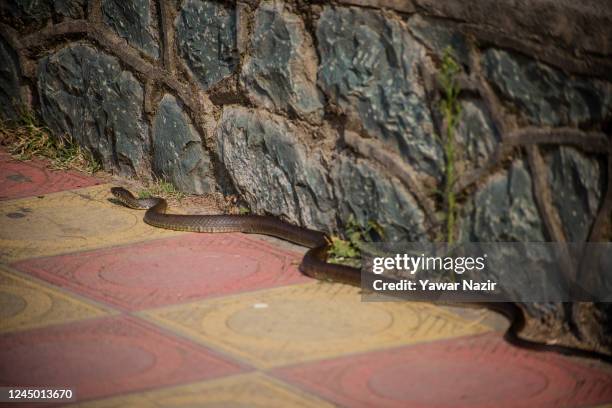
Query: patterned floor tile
(245, 390)
(68, 222)
(304, 322)
(25, 304)
(105, 357)
(477, 371)
(33, 178)
(170, 271)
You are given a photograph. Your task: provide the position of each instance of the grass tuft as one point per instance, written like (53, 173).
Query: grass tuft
(26, 139)
(346, 250)
(161, 188)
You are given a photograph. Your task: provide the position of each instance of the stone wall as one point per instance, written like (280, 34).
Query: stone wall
(318, 110)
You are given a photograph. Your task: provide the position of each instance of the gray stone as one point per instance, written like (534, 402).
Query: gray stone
(576, 184)
(132, 20)
(70, 8)
(26, 12)
(86, 94)
(272, 170)
(504, 210)
(369, 68)
(437, 37)
(370, 195)
(583, 26)
(546, 95)
(10, 99)
(178, 155)
(206, 38)
(281, 71)
(475, 134)
(36, 13)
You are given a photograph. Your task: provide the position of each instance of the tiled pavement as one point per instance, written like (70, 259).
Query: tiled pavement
(130, 315)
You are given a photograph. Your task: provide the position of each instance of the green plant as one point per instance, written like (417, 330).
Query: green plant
(451, 111)
(26, 139)
(347, 249)
(161, 188)
(242, 210)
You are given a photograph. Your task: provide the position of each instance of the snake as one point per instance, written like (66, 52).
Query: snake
(314, 263)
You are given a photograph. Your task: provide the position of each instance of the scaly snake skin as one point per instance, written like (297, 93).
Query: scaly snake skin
(314, 264)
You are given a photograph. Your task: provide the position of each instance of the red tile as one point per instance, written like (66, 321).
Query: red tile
(168, 271)
(33, 178)
(479, 371)
(104, 357)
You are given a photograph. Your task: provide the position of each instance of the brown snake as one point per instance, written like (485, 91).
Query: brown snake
(314, 264)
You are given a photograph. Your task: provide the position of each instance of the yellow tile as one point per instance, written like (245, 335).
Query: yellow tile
(67, 222)
(306, 322)
(25, 304)
(246, 390)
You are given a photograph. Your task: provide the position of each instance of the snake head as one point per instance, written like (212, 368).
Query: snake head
(125, 197)
(120, 192)
(129, 200)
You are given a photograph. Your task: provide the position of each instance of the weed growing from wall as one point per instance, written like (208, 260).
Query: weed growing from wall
(347, 249)
(451, 110)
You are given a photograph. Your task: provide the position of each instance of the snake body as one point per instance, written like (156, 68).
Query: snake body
(314, 262)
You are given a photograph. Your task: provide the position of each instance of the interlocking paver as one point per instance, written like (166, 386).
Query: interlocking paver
(244, 390)
(69, 221)
(296, 323)
(169, 271)
(25, 304)
(217, 305)
(476, 371)
(34, 178)
(105, 357)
